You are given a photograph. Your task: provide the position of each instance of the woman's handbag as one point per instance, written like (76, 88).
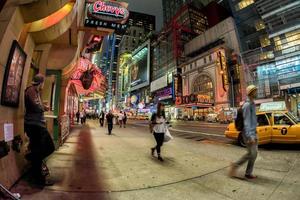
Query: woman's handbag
(167, 136)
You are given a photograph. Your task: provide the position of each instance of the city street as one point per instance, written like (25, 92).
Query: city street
(94, 165)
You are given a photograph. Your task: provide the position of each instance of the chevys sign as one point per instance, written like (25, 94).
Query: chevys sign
(106, 14)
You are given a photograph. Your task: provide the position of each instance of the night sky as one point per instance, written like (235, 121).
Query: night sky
(152, 7)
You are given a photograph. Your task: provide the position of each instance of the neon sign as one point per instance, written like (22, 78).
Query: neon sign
(221, 63)
(106, 14)
(195, 99)
(108, 11)
(100, 7)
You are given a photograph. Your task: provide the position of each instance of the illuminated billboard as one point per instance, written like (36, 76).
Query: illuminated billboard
(140, 67)
(106, 14)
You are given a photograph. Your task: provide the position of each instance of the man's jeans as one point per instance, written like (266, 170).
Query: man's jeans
(110, 127)
(250, 157)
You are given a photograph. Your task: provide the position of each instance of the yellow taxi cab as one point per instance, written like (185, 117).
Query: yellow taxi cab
(274, 125)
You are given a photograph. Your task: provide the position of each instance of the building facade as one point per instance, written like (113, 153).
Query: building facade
(269, 39)
(211, 76)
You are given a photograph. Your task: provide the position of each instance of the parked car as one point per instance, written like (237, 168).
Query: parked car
(212, 117)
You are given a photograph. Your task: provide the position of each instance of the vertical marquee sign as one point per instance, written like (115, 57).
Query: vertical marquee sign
(106, 14)
(221, 63)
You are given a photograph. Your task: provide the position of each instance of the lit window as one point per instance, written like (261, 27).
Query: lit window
(264, 41)
(243, 4)
(288, 43)
(266, 55)
(259, 25)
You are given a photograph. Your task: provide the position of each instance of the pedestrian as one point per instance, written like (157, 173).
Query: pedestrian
(110, 119)
(78, 116)
(40, 142)
(249, 135)
(120, 118)
(158, 128)
(81, 117)
(124, 119)
(101, 118)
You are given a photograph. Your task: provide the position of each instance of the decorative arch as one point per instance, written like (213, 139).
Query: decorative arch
(203, 85)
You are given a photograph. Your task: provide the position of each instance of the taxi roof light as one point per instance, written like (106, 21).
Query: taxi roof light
(273, 106)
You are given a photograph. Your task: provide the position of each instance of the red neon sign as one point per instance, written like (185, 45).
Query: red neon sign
(101, 7)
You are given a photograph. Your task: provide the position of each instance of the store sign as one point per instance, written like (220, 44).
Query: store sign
(106, 14)
(166, 93)
(190, 99)
(159, 83)
(222, 66)
(177, 85)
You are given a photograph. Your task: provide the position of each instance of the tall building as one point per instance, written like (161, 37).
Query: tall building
(269, 34)
(142, 20)
(107, 58)
(186, 24)
(140, 25)
(168, 50)
(171, 7)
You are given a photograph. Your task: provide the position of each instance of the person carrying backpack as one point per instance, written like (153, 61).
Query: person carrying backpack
(247, 122)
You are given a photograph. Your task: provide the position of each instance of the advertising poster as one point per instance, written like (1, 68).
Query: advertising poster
(140, 67)
(13, 76)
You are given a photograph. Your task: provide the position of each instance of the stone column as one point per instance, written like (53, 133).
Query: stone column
(42, 62)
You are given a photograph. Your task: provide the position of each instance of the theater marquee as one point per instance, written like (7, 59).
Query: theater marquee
(106, 14)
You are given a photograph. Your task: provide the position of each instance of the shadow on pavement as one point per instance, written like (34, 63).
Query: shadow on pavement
(77, 172)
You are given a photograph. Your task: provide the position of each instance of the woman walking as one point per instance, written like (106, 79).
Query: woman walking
(158, 127)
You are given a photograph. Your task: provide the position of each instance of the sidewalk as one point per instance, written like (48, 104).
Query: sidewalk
(93, 165)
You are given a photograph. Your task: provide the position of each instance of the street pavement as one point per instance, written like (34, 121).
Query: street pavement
(194, 130)
(94, 165)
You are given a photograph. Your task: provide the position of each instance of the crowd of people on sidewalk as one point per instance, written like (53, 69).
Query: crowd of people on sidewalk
(41, 144)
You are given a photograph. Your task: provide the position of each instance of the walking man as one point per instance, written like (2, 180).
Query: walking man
(101, 118)
(249, 135)
(40, 141)
(109, 119)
